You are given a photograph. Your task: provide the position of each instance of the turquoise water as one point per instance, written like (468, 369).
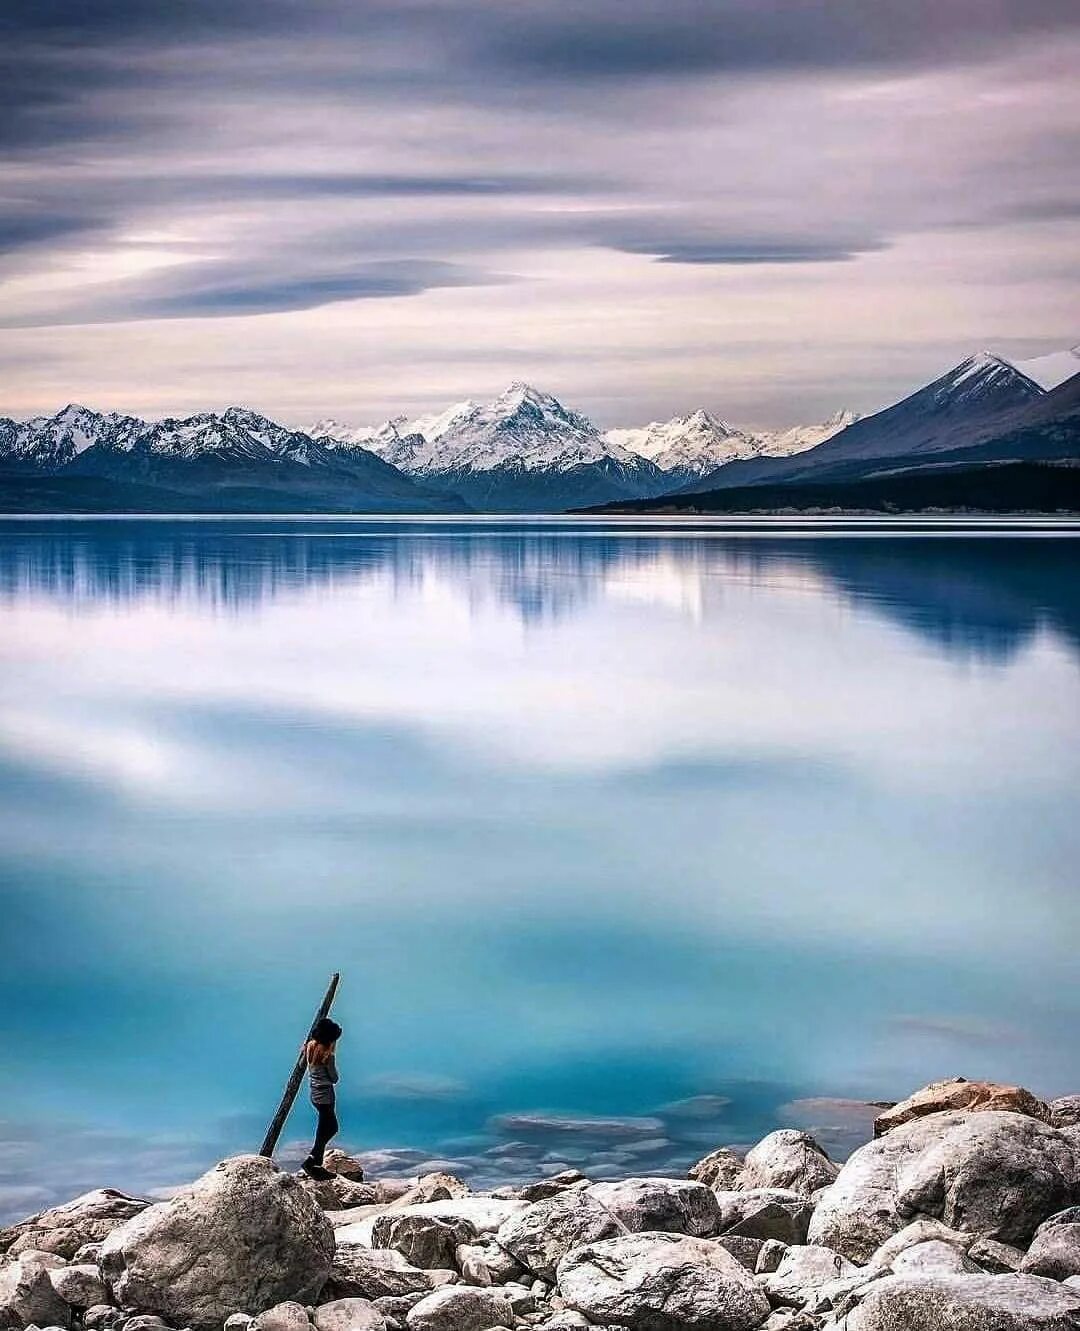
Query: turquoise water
(694, 829)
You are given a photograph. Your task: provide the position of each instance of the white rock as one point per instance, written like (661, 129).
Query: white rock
(244, 1237)
(349, 1315)
(663, 1282)
(27, 1296)
(544, 1232)
(80, 1286)
(803, 1269)
(966, 1303)
(788, 1159)
(675, 1206)
(460, 1309)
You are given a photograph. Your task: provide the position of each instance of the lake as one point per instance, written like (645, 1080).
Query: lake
(629, 838)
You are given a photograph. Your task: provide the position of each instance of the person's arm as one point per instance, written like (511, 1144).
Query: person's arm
(331, 1069)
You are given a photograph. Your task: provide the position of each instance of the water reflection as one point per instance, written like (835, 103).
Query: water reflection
(692, 833)
(967, 594)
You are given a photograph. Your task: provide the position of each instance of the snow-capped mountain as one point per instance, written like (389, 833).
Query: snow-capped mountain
(695, 445)
(53, 441)
(964, 407)
(522, 451)
(235, 457)
(687, 445)
(1051, 370)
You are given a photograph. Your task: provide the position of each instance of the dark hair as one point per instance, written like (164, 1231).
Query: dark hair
(326, 1031)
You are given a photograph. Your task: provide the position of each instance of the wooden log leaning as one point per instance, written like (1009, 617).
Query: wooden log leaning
(292, 1086)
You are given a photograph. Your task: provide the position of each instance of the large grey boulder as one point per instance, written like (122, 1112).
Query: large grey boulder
(349, 1315)
(243, 1237)
(675, 1206)
(661, 1282)
(359, 1272)
(485, 1263)
(988, 1173)
(287, 1316)
(27, 1297)
(1055, 1249)
(765, 1213)
(935, 1257)
(966, 1303)
(917, 1232)
(80, 1286)
(485, 1214)
(719, 1169)
(424, 1240)
(460, 1309)
(544, 1232)
(788, 1159)
(802, 1270)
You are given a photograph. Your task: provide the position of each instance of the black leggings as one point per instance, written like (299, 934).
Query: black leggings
(326, 1129)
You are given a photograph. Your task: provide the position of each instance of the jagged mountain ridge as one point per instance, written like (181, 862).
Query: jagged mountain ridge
(236, 455)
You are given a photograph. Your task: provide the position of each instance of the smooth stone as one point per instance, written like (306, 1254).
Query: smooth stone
(366, 1273)
(460, 1309)
(932, 1258)
(79, 1286)
(27, 1295)
(674, 1206)
(803, 1269)
(349, 1315)
(996, 1258)
(285, 1316)
(788, 1159)
(663, 1282)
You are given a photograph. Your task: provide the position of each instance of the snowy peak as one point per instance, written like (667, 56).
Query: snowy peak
(983, 378)
(689, 445)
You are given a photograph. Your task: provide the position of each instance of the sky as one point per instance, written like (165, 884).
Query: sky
(361, 208)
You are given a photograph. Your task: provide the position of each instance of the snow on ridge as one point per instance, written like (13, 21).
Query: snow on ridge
(1051, 370)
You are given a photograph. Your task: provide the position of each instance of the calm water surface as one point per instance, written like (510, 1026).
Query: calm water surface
(691, 829)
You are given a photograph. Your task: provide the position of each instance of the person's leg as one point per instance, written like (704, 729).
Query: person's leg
(324, 1132)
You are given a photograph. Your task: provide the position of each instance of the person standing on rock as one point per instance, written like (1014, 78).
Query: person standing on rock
(322, 1078)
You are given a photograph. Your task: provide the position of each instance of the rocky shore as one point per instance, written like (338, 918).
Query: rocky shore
(963, 1214)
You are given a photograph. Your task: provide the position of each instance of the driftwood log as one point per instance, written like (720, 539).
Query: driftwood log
(292, 1086)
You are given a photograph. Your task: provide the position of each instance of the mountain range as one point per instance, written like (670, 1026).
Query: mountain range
(525, 452)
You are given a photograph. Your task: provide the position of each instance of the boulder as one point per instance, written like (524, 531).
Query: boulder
(287, 1316)
(62, 1242)
(50, 1260)
(27, 1297)
(958, 1095)
(379, 1273)
(990, 1173)
(349, 1315)
(424, 1240)
(486, 1214)
(548, 1187)
(802, 1270)
(334, 1194)
(719, 1169)
(1055, 1249)
(935, 1257)
(460, 1309)
(765, 1213)
(244, 1237)
(966, 1303)
(745, 1251)
(91, 1215)
(675, 1206)
(102, 1317)
(997, 1258)
(661, 1282)
(485, 1263)
(341, 1163)
(788, 1159)
(436, 1187)
(919, 1231)
(1065, 1111)
(80, 1286)
(544, 1232)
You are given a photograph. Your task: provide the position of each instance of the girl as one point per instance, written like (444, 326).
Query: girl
(322, 1078)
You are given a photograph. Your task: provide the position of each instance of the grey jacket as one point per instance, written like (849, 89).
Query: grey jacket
(322, 1078)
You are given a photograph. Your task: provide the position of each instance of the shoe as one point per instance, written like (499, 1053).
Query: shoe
(313, 1170)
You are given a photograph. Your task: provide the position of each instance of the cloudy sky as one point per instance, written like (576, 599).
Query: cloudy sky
(360, 207)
